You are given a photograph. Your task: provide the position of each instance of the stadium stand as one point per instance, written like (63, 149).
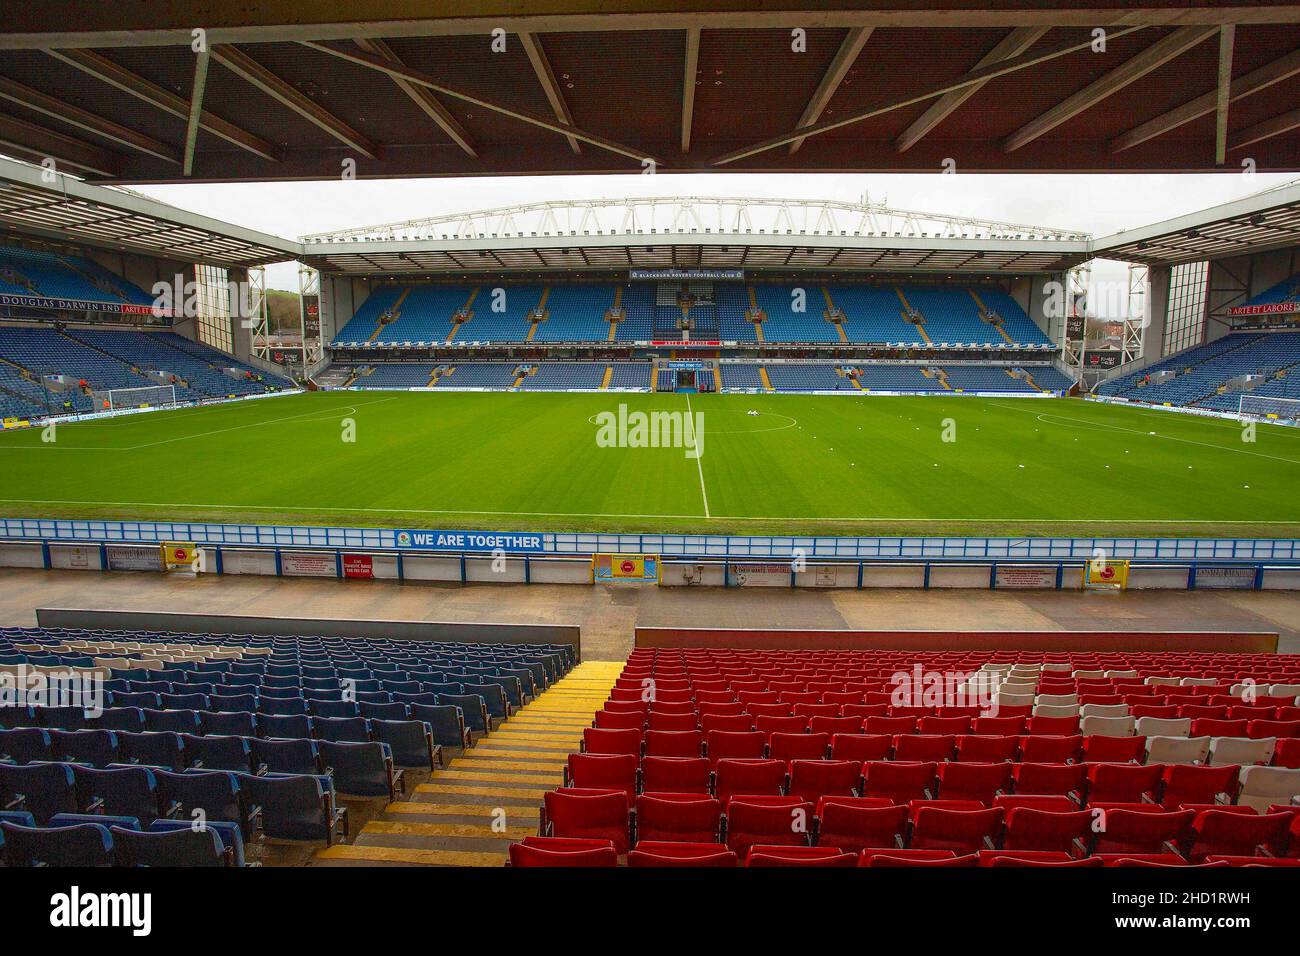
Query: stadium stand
(970, 784)
(394, 314)
(47, 274)
(1213, 375)
(116, 358)
(255, 731)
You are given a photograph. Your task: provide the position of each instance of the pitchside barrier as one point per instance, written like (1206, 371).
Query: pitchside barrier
(640, 560)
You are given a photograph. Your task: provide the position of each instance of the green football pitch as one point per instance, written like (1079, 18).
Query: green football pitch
(800, 465)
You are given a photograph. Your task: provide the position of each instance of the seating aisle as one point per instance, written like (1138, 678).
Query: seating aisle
(489, 795)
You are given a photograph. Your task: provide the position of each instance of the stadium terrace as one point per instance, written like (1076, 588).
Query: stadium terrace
(993, 560)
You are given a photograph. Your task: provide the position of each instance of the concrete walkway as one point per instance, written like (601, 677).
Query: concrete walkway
(608, 614)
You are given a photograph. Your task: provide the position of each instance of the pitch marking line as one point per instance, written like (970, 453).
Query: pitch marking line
(698, 467)
(1081, 422)
(56, 446)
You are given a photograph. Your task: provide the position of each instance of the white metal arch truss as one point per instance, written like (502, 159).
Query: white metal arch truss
(719, 216)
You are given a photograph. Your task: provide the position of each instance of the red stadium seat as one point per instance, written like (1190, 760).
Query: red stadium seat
(861, 747)
(817, 711)
(1123, 783)
(924, 747)
(675, 775)
(781, 725)
(1259, 729)
(998, 726)
(789, 747)
(962, 831)
(1213, 727)
(602, 772)
(1185, 783)
(590, 816)
(982, 748)
(898, 781)
(1048, 749)
(734, 723)
(614, 720)
(1035, 801)
(651, 853)
(673, 743)
(735, 744)
(596, 740)
(835, 725)
(941, 726)
(677, 818)
(1238, 834)
(973, 781)
(784, 821)
(817, 856)
(1058, 779)
(917, 858)
(1001, 858)
(672, 722)
(890, 725)
(858, 823)
(1099, 749)
(1121, 830)
(1031, 829)
(813, 779)
(1052, 726)
(748, 777)
(556, 852)
(1287, 754)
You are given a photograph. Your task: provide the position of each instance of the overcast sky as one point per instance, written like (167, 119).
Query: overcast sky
(1099, 204)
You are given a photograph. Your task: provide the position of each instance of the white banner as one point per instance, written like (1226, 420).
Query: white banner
(125, 557)
(308, 564)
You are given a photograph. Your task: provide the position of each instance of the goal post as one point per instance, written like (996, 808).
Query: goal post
(1268, 408)
(146, 396)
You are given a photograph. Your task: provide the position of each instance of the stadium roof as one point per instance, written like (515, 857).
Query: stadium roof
(1265, 220)
(697, 233)
(40, 202)
(284, 90)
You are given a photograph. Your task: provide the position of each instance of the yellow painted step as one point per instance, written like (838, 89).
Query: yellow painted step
(493, 766)
(463, 790)
(767, 382)
(495, 757)
(456, 809)
(609, 373)
(474, 831)
(484, 776)
(392, 854)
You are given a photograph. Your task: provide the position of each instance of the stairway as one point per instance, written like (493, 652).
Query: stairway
(907, 311)
(616, 309)
(395, 311)
(540, 312)
(488, 796)
(767, 382)
(609, 374)
(985, 310)
(465, 310)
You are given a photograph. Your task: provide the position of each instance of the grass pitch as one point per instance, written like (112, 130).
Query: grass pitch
(802, 465)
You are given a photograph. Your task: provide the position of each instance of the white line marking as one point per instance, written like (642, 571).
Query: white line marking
(698, 467)
(1138, 431)
(324, 416)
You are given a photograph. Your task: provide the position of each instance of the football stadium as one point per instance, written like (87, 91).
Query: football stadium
(669, 527)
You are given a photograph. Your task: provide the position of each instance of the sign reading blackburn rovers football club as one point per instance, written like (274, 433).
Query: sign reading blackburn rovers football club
(468, 541)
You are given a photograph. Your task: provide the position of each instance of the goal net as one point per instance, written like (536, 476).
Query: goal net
(147, 396)
(1270, 409)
